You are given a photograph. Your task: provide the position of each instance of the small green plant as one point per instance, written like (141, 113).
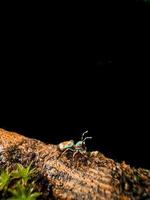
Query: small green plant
(23, 173)
(4, 180)
(18, 184)
(20, 192)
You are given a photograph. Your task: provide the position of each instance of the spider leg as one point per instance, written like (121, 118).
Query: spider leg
(74, 154)
(83, 153)
(65, 151)
(87, 138)
(83, 135)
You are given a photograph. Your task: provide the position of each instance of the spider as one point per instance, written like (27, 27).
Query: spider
(76, 148)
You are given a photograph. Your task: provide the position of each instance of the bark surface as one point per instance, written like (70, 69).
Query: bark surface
(90, 177)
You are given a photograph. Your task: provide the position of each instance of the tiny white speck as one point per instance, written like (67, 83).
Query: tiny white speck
(1, 148)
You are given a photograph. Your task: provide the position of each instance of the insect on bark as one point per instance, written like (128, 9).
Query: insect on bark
(77, 148)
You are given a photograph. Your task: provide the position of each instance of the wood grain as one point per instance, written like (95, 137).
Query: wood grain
(90, 177)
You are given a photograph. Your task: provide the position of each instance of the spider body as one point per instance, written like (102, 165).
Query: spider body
(65, 145)
(76, 148)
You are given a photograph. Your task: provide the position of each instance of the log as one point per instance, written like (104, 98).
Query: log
(91, 177)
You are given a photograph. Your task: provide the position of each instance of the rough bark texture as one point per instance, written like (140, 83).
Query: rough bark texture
(90, 177)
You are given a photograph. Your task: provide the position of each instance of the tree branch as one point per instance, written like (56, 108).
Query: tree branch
(90, 177)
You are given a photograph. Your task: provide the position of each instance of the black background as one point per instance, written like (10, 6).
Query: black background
(60, 78)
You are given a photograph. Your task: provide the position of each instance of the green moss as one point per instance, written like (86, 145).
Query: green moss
(21, 192)
(18, 184)
(23, 173)
(4, 180)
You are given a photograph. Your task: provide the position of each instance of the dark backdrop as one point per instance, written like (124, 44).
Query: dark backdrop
(60, 83)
